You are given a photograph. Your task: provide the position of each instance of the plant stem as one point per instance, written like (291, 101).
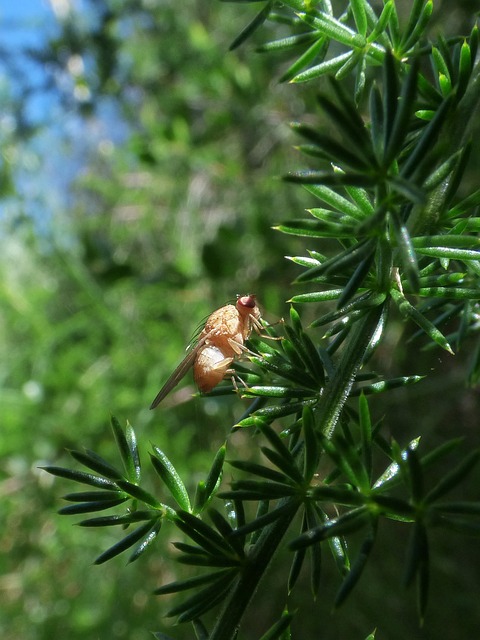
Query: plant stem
(247, 582)
(339, 386)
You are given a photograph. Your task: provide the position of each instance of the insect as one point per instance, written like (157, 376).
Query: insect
(221, 341)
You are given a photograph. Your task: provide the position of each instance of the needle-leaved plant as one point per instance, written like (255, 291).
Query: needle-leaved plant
(387, 166)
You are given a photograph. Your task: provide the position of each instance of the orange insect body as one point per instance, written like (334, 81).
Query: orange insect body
(225, 333)
(220, 342)
(210, 367)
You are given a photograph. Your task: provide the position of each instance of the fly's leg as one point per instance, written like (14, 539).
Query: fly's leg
(240, 348)
(222, 364)
(236, 377)
(233, 375)
(259, 327)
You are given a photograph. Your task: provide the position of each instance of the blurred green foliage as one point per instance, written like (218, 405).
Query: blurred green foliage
(98, 305)
(101, 297)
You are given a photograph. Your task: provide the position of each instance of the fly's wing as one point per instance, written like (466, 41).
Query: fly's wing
(178, 374)
(197, 333)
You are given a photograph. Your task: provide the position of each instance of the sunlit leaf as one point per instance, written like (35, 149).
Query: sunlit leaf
(171, 478)
(128, 541)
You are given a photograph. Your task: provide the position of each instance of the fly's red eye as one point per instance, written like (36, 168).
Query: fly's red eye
(247, 301)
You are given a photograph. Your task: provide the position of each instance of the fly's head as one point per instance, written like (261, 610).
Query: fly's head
(247, 306)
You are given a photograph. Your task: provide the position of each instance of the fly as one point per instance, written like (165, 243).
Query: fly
(221, 341)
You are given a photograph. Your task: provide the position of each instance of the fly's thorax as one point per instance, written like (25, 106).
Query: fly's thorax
(222, 320)
(222, 326)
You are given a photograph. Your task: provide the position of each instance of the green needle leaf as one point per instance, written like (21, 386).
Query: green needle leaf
(169, 475)
(366, 432)
(135, 491)
(95, 462)
(146, 543)
(207, 488)
(417, 564)
(355, 572)
(409, 311)
(109, 521)
(454, 477)
(346, 523)
(81, 477)
(277, 631)
(252, 26)
(402, 116)
(359, 15)
(191, 583)
(311, 444)
(90, 507)
(126, 543)
(127, 445)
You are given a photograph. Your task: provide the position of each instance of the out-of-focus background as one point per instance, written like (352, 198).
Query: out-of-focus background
(139, 164)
